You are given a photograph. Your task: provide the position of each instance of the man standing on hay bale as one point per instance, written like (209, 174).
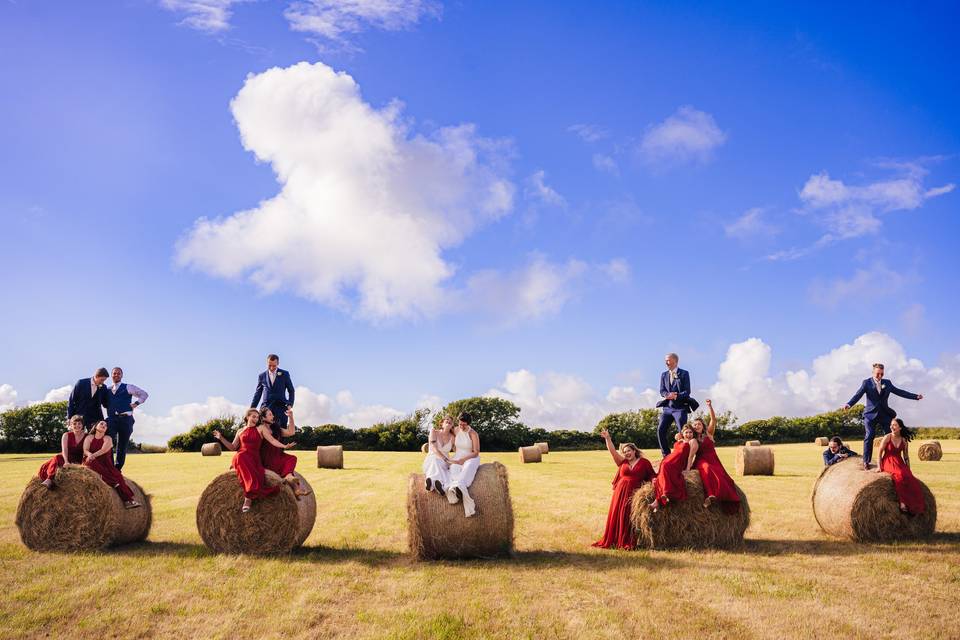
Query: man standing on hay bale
(877, 414)
(123, 398)
(89, 398)
(676, 403)
(279, 388)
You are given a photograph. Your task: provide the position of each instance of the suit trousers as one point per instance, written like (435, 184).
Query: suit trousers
(669, 415)
(873, 427)
(120, 428)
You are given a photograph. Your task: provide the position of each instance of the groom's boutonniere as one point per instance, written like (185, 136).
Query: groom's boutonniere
(279, 373)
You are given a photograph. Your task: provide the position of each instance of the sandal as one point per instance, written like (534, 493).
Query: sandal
(709, 501)
(133, 504)
(246, 506)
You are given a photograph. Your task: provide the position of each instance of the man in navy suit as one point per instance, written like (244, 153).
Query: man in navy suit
(279, 391)
(89, 398)
(675, 391)
(877, 415)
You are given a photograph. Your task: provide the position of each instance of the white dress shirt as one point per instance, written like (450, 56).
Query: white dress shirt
(93, 387)
(273, 376)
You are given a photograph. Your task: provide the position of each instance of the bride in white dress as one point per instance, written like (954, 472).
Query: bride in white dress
(436, 466)
(463, 467)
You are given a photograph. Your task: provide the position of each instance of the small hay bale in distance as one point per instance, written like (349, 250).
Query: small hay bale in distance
(755, 461)
(544, 447)
(330, 457)
(686, 524)
(274, 525)
(930, 451)
(530, 454)
(425, 447)
(211, 449)
(822, 442)
(437, 529)
(752, 443)
(862, 506)
(81, 514)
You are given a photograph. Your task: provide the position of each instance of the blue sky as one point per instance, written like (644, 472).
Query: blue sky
(535, 200)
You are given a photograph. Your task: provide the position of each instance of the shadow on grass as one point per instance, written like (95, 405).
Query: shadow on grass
(847, 547)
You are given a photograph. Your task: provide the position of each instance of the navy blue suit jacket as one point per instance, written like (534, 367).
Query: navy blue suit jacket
(681, 385)
(829, 457)
(281, 392)
(877, 406)
(84, 404)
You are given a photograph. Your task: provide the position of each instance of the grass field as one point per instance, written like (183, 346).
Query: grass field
(354, 579)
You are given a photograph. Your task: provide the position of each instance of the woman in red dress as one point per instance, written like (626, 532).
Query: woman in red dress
(246, 462)
(632, 471)
(669, 483)
(71, 451)
(96, 450)
(717, 483)
(277, 460)
(895, 460)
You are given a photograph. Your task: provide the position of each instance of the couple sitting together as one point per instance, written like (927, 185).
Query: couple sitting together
(452, 476)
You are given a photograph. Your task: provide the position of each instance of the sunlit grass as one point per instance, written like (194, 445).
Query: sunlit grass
(353, 579)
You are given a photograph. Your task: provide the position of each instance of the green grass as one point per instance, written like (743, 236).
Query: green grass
(353, 579)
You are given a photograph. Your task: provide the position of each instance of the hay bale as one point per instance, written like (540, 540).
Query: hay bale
(81, 514)
(755, 461)
(330, 457)
(822, 442)
(685, 523)
(275, 524)
(544, 447)
(211, 449)
(425, 447)
(930, 451)
(849, 502)
(752, 443)
(438, 529)
(530, 454)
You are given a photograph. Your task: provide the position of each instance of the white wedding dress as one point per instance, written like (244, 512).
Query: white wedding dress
(462, 475)
(436, 469)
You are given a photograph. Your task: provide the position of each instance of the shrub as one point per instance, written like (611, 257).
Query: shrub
(496, 421)
(638, 427)
(202, 433)
(34, 428)
(402, 434)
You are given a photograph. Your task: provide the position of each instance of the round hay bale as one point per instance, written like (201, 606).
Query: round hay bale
(544, 447)
(425, 447)
(530, 454)
(752, 443)
(822, 442)
(211, 449)
(438, 529)
(930, 451)
(862, 506)
(685, 523)
(330, 457)
(81, 514)
(275, 524)
(755, 461)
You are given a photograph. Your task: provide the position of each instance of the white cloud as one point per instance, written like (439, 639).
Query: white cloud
(589, 132)
(750, 225)
(210, 16)
(366, 207)
(538, 189)
(334, 19)
(603, 162)
(878, 279)
(59, 394)
(156, 429)
(687, 136)
(8, 397)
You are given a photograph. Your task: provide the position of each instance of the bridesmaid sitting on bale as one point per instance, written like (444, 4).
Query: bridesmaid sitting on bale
(632, 471)
(71, 451)
(436, 466)
(276, 459)
(96, 449)
(895, 460)
(717, 483)
(669, 483)
(246, 462)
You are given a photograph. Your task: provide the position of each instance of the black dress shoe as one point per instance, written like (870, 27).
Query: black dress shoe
(429, 484)
(459, 493)
(438, 487)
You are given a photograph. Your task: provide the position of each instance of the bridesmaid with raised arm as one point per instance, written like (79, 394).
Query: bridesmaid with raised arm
(275, 459)
(96, 449)
(669, 483)
(436, 466)
(895, 460)
(632, 471)
(71, 451)
(717, 483)
(246, 462)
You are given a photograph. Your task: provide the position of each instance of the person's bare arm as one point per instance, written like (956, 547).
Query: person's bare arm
(105, 449)
(86, 447)
(232, 446)
(291, 427)
(617, 457)
(712, 426)
(694, 445)
(906, 453)
(883, 447)
(265, 433)
(64, 447)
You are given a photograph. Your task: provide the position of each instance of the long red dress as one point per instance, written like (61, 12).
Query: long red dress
(669, 482)
(906, 484)
(249, 467)
(716, 481)
(109, 473)
(277, 460)
(74, 456)
(619, 533)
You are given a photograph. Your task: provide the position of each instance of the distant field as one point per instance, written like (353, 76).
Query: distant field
(354, 580)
